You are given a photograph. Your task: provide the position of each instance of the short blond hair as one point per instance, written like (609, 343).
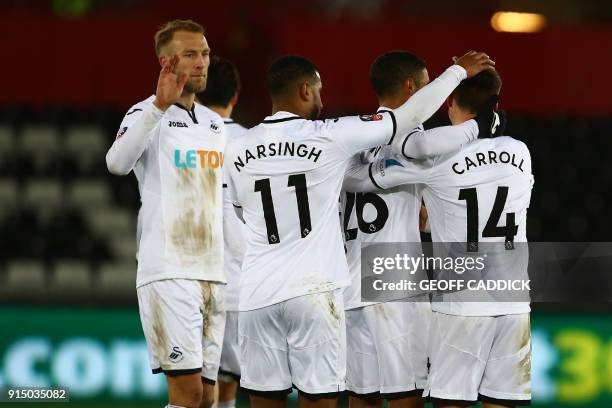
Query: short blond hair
(165, 34)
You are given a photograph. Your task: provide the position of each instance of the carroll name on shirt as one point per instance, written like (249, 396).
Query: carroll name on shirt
(278, 149)
(192, 159)
(490, 157)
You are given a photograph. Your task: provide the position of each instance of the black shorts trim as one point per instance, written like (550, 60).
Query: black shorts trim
(318, 396)
(235, 377)
(388, 396)
(452, 402)
(499, 401)
(403, 394)
(176, 373)
(278, 395)
(208, 381)
(365, 397)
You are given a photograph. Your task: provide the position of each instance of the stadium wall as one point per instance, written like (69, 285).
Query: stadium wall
(109, 59)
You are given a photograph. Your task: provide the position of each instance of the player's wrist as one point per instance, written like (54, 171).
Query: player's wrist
(459, 71)
(160, 105)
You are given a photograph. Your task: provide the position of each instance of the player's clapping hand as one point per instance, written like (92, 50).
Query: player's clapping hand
(474, 62)
(169, 85)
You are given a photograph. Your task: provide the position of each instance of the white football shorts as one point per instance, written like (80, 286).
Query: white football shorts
(229, 370)
(300, 341)
(183, 322)
(480, 358)
(387, 347)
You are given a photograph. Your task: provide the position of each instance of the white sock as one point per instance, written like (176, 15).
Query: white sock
(173, 406)
(226, 404)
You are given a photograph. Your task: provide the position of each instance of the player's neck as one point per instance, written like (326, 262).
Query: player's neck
(223, 111)
(187, 100)
(291, 108)
(461, 116)
(393, 102)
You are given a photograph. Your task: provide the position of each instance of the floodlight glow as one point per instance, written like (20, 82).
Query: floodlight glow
(513, 22)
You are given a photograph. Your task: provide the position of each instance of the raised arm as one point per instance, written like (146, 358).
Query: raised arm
(428, 99)
(134, 135)
(139, 123)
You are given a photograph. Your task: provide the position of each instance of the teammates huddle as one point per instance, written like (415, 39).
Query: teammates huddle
(294, 312)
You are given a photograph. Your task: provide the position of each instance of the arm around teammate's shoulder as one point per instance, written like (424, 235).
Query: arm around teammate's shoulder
(133, 138)
(422, 144)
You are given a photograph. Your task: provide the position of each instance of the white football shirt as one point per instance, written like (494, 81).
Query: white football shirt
(389, 216)
(286, 174)
(180, 227)
(478, 194)
(234, 232)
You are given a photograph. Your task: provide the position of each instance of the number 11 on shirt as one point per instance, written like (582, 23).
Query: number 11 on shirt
(298, 181)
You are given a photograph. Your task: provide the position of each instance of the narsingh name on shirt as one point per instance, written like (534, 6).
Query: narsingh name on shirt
(490, 157)
(278, 149)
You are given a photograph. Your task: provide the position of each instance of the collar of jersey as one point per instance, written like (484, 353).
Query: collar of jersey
(190, 112)
(281, 116)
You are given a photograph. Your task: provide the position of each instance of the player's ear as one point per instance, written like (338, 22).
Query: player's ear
(449, 101)
(162, 59)
(234, 99)
(305, 91)
(410, 86)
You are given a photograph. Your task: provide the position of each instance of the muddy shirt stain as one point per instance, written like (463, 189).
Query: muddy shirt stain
(192, 231)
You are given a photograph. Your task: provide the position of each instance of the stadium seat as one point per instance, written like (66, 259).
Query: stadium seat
(71, 279)
(43, 193)
(39, 145)
(85, 139)
(117, 280)
(88, 145)
(111, 222)
(7, 140)
(8, 193)
(25, 276)
(36, 138)
(7, 149)
(123, 246)
(89, 194)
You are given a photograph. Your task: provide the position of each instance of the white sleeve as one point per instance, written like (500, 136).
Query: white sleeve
(384, 173)
(425, 102)
(421, 144)
(229, 180)
(387, 173)
(233, 195)
(356, 133)
(135, 132)
(358, 177)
